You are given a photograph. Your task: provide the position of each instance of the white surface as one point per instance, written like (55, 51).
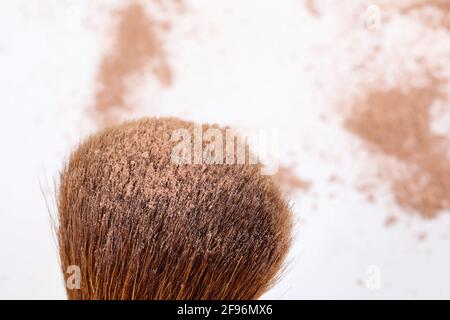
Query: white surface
(242, 63)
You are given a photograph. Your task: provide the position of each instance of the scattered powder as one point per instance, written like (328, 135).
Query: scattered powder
(442, 6)
(390, 221)
(368, 190)
(422, 236)
(397, 123)
(334, 179)
(370, 198)
(311, 5)
(137, 47)
(289, 182)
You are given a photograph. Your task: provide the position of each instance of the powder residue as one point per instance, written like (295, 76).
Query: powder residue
(311, 6)
(422, 236)
(390, 221)
(137, 47)
(442, 6)
(289, 182)
(334, 179)
(397, 122)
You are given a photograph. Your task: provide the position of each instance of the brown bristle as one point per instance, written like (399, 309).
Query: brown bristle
(142, 227)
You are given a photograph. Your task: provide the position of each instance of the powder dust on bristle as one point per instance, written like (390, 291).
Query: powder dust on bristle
(398, 123)
(140, 226)
(138, 44)
(137, 47)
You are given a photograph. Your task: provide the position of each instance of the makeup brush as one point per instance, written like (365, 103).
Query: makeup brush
(138, 225)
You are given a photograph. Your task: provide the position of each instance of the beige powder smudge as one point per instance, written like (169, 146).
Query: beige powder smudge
(289, 182)
(443, 6)
(390, 221)
(137, 47)
(398, 123)
(311, 6)
(422, 236)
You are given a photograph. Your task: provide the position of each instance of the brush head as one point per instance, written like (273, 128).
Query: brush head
(140, 226)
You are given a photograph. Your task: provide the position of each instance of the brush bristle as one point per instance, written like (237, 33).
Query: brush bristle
(141, 227)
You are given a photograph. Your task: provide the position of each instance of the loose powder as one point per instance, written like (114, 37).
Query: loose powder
(390, 221)
(398, 123)
(438, 4)
(441, 7)
(137, 47)
(396, 98)
(289, 182)
(311, 6)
